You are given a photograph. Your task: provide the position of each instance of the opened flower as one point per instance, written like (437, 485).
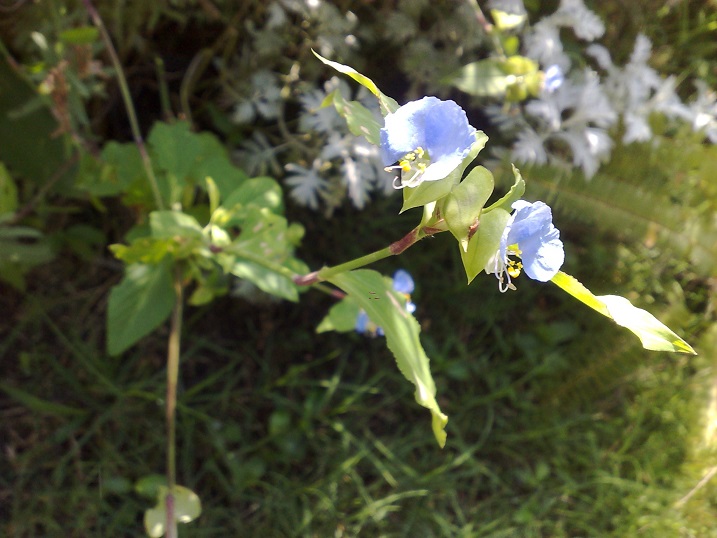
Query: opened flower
(403, 284)
(530, 236)
(428, 139)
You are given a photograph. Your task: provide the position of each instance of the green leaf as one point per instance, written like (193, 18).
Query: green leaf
(513, 195)
(218, 167)
(29, 144)
(653, 334)
(8, 191)
(148, 250)
(266, 280)
(119, 166)
(581, 293)
(359, 119)
(148, 486)
(260, 191)
(38, 405)
(464, 204)
(430, 191)
(265, 241)
(484, 78)
(213, 193)
(82, 35)
(171, 224)
(175, 150)
(139, 304)
(484, 243)
(520, 65)
(187, 507)
(175, 147)
(341, 317)
(387, 309)
(24, 246)
(387, 104)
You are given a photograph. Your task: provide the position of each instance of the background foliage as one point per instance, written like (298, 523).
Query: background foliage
(560, 425)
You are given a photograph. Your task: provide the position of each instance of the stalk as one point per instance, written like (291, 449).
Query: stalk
(129, 105)
(173, 349)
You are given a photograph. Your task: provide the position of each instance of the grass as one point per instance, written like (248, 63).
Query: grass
(559, 425)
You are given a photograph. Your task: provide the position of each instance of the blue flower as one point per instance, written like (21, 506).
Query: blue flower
(428, 138)
(402, 283)
(530, 235)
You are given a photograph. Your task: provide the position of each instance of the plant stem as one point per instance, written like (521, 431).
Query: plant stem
(127, 98)
(487, 28)
(173, 348)
(394, 249)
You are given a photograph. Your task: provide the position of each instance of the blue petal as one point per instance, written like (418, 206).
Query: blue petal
(361, 322)
(403, 282)
(439, 127)
(554, 78)
(531, 228)
(544, 263)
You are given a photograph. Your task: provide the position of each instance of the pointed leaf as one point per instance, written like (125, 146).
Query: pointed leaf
(465, 203)
(171, 224)
(387, 309)
(484, 78)
(139, 304)
(652, 333)
(484, 243)
(581, 293)
(260, 191)
(514, 194)
(341, 317)
(266, 280)
(359, 119)
(214, 194)
(388, 105)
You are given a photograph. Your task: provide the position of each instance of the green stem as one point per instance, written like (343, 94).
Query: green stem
(488, 28)
(394, 249)
(173, 348)
(328, 272)
(127, 98)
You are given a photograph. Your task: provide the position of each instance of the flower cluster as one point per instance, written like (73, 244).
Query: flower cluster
(402, 283)
(530, 236)
(574, 116)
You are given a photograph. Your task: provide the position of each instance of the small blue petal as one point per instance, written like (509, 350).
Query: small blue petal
(403, 282)
(362, 322)
(554, 78)
(410, 307)
(531, 228)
